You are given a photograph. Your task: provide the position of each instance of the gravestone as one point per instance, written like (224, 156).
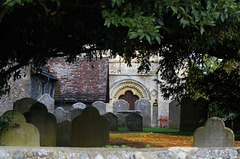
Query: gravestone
(134, 122)
(90, 129)
(79, 105)
(61, 114)
(174, 115)
(75, 113)
(112, 120)
(121, 119)
(193, 114)
(64, 133)
(213, 134)
(145, 106)
(120, 105)
(23, 105)
(101, 107)
(48, 101)
(23, 135)
(45, 122)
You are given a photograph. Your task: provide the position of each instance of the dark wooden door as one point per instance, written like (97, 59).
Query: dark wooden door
(130, 98)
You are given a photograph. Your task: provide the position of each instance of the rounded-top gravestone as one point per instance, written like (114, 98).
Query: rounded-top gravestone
(23, 105)
(90, 129)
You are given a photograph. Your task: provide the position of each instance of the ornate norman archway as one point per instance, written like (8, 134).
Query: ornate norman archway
(120, 87)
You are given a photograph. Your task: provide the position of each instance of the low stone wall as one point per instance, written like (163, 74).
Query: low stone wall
(7, 152)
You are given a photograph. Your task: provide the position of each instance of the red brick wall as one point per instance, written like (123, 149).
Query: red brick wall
(81, 79)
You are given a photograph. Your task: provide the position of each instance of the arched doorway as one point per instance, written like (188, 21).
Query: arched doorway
(130, 98)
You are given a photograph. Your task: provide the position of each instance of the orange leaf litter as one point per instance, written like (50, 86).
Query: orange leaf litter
(140, 140)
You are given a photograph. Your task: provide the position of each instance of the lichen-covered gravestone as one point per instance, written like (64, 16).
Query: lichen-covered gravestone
(174, 115)
(145, 106)
(120, 105)
(134, 122)
(48, 101)
(213, 134)
(61, 114)
(79, 105)
(45, 122)
(90, 129)
(101, 107)
(24, 134)
(75, 113)
(112, 120)
(23, 105)
(121, 119)
(64, 133)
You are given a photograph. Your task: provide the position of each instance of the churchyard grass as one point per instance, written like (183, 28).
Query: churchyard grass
(155, 137)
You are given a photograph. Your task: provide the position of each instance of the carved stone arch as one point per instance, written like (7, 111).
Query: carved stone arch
(121, 86)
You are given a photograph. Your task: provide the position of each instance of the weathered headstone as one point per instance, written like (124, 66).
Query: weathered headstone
(24, 134)
(61, 114)
(75, 113)
(121, 119)
(23, 105)
(145, 106)
(134, 122)
(213, 134)
(112, 120)
(174, 115)
(101, 107)
(90, 129)
(193, 114)
(64, 134)
(45, 122)
(79, 105)
(120, 105)
(48, 101)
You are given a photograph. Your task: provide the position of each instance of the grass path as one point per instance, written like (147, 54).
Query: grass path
(156, 138)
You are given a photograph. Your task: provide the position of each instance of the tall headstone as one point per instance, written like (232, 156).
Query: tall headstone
(45, 122)
(101, 107)
(90, 129)
(145, 106)
(120, 105)
(213, 134)
(64, 134)
(134, 122)
(23, 105)
(174, 115)
(75, 113)
(48, 101)
(79, 105)
(61, 114)
(112, 120)
(24, 134)
(193, 114)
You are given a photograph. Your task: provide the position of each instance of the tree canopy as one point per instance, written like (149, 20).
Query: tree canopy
(182, 33)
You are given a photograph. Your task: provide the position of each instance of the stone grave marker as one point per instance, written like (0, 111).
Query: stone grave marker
(61, 114)
(193, 114)
(120, 105)
(174, 115)
(145, 106)
(101, 107)
(23, 105)
(79, 105)
(112, 120)
(75, 113)
(45, 122)
(48, 101)
(121, 119)
(64, 133)
(24, 135)
(90, 129)
(213, 134)
(134, 122)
